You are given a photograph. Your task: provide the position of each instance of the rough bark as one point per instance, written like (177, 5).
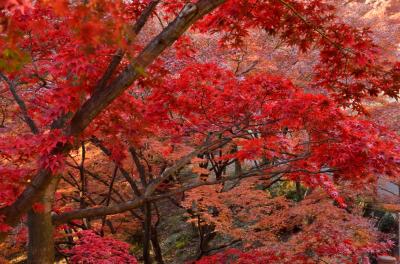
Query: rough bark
(41, 229)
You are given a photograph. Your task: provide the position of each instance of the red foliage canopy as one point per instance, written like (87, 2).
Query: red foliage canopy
(77, 70)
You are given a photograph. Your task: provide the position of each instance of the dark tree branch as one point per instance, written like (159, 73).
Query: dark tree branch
(139, 166)
(129, 205)
(4, 115)
(125, 174)
(108, 198)
(148, 197)
(117, 58)
(24, 110)
(182, 162)
(102, 98)
(84, 183)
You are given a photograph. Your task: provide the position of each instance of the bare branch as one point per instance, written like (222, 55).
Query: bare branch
(139, 166)
(129, 205)
(182, 162)
(125, 174)
(28, 120)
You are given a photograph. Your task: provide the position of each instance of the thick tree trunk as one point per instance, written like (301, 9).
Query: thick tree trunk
(41, 229)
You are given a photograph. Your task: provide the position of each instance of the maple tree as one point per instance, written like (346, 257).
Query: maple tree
(281, 230)
(108, 250)
(110, 76)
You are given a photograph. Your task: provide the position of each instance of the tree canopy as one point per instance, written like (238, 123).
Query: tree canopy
(110, 107)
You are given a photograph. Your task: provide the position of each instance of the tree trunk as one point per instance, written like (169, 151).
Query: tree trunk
(41, 229)
(299, 192)
(147, 233)
(156, 246)
(206, 234)
(238, 168)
